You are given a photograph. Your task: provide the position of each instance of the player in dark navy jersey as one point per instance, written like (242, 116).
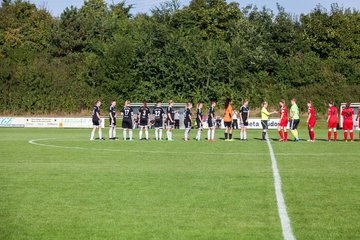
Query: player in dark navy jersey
(187, 121)
(96, 119)
(143, 115)
(199, 124)
(112, 121)
(170, 120)
(158, 113)
(244, 119)
(127, 123)
(211, 122)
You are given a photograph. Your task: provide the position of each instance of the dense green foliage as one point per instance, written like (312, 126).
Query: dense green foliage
(209, 49)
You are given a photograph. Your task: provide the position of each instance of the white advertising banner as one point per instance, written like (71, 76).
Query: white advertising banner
(45, 122)
(255, 123)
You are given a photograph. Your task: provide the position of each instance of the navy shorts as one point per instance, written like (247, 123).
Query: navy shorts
(112, 123)
(158, 124)
(187, 124)
(144, 122)
(228, 124)
(170, 124)
(245, 122)
(264, 124)
(294, 124)
(126, 124)
(96, 122)
(199, 124)
(211, 123)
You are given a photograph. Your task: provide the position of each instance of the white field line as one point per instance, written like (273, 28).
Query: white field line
(36, 142)
(284, 218)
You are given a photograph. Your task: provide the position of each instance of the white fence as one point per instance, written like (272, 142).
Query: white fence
(46, 122)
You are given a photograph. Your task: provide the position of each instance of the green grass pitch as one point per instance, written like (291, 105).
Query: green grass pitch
(70, 188)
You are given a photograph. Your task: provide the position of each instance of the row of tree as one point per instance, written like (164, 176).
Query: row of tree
(207, 50)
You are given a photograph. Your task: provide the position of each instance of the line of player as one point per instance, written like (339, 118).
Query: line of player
(160, 116)
(294, 119)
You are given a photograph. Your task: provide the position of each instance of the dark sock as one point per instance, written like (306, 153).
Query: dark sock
(226, 136)
(230, 136)
(263, 135)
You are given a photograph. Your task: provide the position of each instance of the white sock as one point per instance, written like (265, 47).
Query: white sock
(213, 134)
(131, 134)
(241, 135)
(209, 134)
(100, 133)
(186, 135)
(156, 134)
(245, 137)
(110, 133)
(170, 135)
(198, 136)
(92, 134)
(124, 134)
(147, 134)
(160, 134)
(140, 134)
(114, 133)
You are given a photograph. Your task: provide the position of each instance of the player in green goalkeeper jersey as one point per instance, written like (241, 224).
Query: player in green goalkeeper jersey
(295, 119)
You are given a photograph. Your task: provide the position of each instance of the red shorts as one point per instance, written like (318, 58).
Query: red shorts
(348, 125)
(283, 122)
(311, 123)
(332, 124)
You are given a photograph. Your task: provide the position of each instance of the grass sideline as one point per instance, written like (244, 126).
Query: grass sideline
(174, 190)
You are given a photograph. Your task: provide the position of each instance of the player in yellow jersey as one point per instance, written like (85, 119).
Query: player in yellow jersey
(265, 119)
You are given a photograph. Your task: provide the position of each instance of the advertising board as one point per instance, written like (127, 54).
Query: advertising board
(46, 122)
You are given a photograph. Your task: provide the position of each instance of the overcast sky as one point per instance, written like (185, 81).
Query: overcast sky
(296, 7)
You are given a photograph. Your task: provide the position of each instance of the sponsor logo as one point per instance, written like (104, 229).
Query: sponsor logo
(6, 120)
(20, 122)
(10, 122)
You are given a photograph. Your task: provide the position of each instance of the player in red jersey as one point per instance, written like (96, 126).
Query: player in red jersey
(358, 119)
(311, 121)
(348, 125)
(282, 128)
(332, 120)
